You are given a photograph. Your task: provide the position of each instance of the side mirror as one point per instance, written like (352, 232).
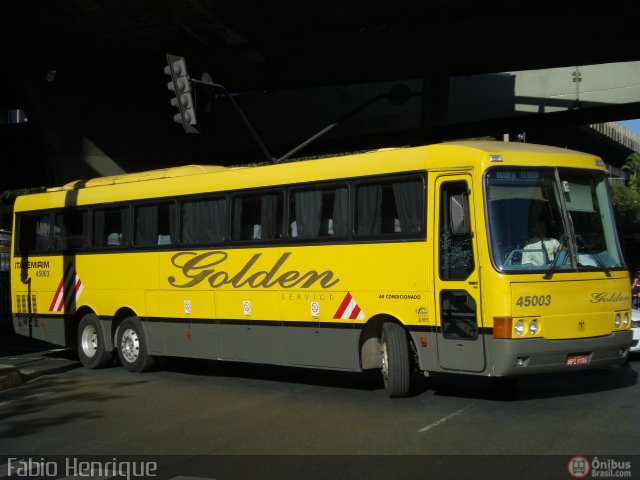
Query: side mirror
(459, 214)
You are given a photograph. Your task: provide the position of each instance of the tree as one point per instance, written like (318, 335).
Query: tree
(626, 198)
(632, 166)
(626, 202)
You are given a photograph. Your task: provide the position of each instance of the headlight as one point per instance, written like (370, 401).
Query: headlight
(533, 327)
(617, 321)
(519, 327)
(625, 320)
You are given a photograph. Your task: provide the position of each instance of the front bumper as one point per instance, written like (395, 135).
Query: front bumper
(539, 355)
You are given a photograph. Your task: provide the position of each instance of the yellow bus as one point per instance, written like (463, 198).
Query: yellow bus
(410, 260)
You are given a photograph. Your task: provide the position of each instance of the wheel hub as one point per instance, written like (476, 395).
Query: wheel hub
(89, 341)
(130, 345)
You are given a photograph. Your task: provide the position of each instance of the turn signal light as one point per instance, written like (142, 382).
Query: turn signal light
(502, 327)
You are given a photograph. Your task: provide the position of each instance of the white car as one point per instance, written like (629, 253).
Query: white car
(635, 326)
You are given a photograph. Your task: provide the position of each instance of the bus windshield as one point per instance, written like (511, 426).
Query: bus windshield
(543, 219)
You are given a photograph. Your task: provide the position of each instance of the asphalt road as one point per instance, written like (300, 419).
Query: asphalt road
(243, 417)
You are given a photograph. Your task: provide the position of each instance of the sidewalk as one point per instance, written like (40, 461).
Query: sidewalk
(23, 359)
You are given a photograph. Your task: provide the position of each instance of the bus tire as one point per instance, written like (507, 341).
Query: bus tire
(91, 343)
(396, 366)
(132, 346)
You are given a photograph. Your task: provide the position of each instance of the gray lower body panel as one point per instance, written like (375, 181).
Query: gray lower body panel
(541, 355)
(279, 343)
(531, 356)
(337, 346)
(301, 344)
(57, 330)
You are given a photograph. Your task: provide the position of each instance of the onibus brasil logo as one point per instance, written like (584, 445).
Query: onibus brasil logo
(582, 467)
(579, 467)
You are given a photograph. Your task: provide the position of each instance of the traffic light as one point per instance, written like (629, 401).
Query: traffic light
(181, 85)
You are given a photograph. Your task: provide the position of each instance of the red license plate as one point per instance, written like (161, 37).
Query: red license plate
(577, 360)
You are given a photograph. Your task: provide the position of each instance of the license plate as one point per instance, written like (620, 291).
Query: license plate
(577, 360)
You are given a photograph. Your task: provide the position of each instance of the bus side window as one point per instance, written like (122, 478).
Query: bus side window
(257, 216)
(70, 229)
(110, 226)
(34, 233)
(320, 212)
(306, 209)
(203, 221)
(390, 208)
(153, 224)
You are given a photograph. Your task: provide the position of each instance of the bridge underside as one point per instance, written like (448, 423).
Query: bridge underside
(88, 74)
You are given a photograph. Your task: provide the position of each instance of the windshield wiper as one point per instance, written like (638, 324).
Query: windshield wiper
(589, 251)
(552, 267)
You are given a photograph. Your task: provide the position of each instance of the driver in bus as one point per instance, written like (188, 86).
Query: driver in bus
(543, 248)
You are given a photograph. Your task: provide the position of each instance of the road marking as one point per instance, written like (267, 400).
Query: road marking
(28, 397)
(444, 419)
(37, 395)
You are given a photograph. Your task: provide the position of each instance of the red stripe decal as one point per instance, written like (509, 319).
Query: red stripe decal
(78, 284)
(343, 306)
(355, 313)
(53, 302)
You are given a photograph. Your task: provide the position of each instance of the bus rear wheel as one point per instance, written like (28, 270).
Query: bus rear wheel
(396, 365)
(91, 344)
(132, 346)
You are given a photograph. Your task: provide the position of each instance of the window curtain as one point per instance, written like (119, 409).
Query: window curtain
(60, 231)
(341, 212)
(124, 227)
(368, 210)
(218, 220)
(70, 229)
(86, 240)
(99, 235)
(33, 233)
(43, 233)
(308, 212)
(237, 219)
(146, 230)
(192, 230)
(408, 197)
(269, 217)
(171, 211)
(204, 221)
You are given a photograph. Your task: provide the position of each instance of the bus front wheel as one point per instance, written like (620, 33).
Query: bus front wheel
(132, 346)
(91, 345)
(396, 366)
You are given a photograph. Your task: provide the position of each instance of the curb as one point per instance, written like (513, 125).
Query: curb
(29, 373)
(10, 377)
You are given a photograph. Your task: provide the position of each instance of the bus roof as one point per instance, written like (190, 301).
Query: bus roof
(489, 146)
(171, 172)
(208, 178)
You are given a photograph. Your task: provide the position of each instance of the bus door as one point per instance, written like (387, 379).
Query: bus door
(460, 345)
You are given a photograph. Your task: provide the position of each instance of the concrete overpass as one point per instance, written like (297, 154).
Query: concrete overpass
(88, 74)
